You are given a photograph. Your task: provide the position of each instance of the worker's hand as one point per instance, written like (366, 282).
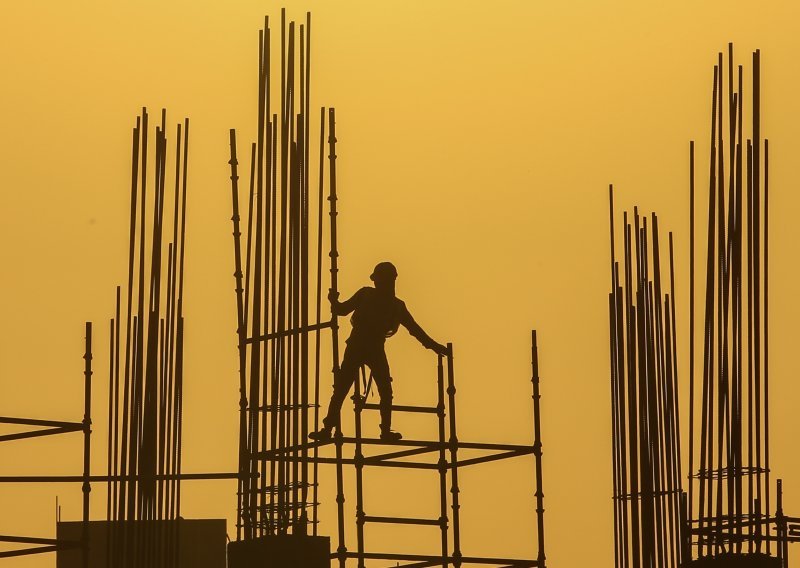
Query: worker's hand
(333, 296)
(440, 349)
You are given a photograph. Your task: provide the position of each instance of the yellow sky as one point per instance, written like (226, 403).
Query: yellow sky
(476, 142)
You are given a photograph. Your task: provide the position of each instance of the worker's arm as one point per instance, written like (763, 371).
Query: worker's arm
(416, 331)
(343, 308)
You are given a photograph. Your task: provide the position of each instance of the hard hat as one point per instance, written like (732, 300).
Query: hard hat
(383, 271)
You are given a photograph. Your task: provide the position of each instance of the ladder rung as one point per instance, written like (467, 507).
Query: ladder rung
(402, 520)
(401, 408)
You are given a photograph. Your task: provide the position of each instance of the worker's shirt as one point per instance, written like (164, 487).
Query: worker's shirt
(377, 316)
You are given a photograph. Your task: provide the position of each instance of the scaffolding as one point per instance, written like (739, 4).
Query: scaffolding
(443, 458)
(444, 451)
(51, 428)
(278, 273)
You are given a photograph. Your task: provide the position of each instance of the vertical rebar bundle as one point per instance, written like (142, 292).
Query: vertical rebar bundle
(277, 275)
(644, 399)
(730, 498)
(146, 371)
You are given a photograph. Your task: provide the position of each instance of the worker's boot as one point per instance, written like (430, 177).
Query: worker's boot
(324, 434)
(388, 435)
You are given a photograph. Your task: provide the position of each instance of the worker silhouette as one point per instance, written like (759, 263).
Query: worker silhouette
(378, 313)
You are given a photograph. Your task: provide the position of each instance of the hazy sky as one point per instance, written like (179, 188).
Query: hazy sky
(476, 144)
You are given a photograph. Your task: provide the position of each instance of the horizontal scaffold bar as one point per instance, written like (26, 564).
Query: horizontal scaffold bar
(40, 433)
(38, 550)
(727, 538)
(495, 457)
(270, 454)
(381, 461)
(282, 407)
(289, 332)
(105, 478)
(280, 488)
(28, 540)
(714, 523)
(646, 494)
(510, 562)
(425, 564)
(402, 453)
(416, 447)
(404, 408)
(726, 472)
(37, 422)
(407, 443)
(365, 461)
(403, 521)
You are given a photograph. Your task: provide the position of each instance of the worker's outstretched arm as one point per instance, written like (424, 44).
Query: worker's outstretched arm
(343, 308)
(416, 331)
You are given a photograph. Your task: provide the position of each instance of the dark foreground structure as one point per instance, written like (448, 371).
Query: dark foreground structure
(276, 551)
(198, 543)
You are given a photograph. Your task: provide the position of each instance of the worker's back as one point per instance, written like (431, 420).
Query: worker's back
(377, 316)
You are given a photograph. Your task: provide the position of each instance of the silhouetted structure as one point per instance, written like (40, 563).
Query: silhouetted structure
(279, 334)
(200, 543)
(443, 457)
(146, 362)
(730, 497)
(644, 400)
(144, 526)
(280, 349)
(278, 274)
(725, 521)
(79, 539)
(279, 551)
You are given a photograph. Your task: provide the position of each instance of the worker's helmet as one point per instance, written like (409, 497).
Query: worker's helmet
(383, 271)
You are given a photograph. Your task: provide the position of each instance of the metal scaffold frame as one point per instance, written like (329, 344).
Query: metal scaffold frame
(51, 428)
(447, 444)
(279, 337)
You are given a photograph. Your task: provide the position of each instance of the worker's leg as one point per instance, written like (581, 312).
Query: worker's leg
(379, 366)
(348, 373)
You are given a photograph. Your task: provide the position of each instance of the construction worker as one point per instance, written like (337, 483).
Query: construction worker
(377, 315)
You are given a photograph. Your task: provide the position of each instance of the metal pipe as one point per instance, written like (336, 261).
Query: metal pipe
(320, 198)
(243, 454)
(358, 460)
(453, 443)
(537, 443)
(442, 462)
(87, 437)
(766, 334)
(334, 271)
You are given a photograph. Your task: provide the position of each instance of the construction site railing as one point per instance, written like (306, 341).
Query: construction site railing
(447, 462)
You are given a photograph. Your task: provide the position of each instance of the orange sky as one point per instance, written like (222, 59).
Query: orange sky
(476, 142)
